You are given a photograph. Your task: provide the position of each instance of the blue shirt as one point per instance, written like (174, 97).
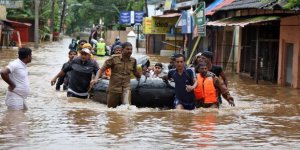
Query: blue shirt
(181, 81)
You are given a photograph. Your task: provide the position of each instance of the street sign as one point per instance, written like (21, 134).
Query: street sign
(131, 17)
(138, 17)
(125, 17)
(200, 19)
(186, 22)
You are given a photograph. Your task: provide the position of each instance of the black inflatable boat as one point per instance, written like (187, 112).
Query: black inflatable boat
(148, 92)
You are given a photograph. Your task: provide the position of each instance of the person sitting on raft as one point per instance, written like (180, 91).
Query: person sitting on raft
(209, 85)
(156, 72)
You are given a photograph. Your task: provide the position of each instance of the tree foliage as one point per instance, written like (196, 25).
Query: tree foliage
(91, 11)
(44, 13)
(79, 14)
(291, 4)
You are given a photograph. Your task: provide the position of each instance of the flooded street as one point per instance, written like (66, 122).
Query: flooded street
(265, 117)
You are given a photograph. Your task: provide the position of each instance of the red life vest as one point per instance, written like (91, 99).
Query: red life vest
(205, 90)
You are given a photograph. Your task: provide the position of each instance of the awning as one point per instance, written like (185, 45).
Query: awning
(168, 15)
(16, 22)
(242, 21)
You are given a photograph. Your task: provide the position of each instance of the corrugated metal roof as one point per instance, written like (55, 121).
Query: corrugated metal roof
(247, 4)
(211, 11)
(242, 21)
(16, 22)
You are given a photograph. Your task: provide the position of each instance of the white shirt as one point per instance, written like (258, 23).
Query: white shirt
(19, 76)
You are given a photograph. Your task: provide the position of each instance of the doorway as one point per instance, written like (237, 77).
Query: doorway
(289, 64)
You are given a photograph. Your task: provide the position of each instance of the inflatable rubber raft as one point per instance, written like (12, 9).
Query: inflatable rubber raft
(148, 92)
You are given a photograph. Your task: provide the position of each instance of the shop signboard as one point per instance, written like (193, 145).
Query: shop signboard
(185, 3)
(200, 19)
(152, 25)
(186, 22)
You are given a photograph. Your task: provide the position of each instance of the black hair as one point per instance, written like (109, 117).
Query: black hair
(201, 64)
(125, 44)
(208, 54)
(24, 52)
(72, 51)
(179, 55)
(158, 64)
(82, 41)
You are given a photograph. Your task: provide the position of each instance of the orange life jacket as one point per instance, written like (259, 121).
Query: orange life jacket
(108, 72)
(205, 89)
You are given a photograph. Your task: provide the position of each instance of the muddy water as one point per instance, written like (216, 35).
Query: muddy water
(266, 116)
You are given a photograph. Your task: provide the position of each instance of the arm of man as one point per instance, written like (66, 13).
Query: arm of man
(107, 64)
(190, 88)
(221, 87)
(5, 76)
(223, 76)
(62, 73)
(168, 76)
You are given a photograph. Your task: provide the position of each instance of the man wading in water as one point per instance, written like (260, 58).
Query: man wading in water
(82, 69)
(122, 65)
(16, 76)
(185, 83)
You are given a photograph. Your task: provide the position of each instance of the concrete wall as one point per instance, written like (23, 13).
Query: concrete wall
(3, 12)
(289, 33)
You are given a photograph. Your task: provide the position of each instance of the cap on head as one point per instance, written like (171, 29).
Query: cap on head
(117, 46)
(85, 50)
(208, 54)
(199, 54)
(101, 40)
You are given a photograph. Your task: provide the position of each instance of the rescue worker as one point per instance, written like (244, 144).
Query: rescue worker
(209, 85)
(101, 48)
(207, 57)
(119, 89)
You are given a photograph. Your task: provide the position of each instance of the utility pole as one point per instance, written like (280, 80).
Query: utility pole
(52, 21)
(146, 8)
(62, 15)
(36, 23)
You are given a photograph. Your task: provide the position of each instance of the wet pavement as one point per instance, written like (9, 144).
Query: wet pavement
(265, 117)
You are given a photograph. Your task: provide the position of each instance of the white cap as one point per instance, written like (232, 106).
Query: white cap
(86, 50)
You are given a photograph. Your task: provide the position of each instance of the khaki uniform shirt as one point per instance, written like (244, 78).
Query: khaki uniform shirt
(120, 72)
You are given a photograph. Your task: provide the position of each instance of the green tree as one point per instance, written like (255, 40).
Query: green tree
(291, 4)
(91, 11)
(44, 14)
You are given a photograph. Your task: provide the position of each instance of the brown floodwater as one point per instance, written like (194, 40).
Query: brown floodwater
(265, 117)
